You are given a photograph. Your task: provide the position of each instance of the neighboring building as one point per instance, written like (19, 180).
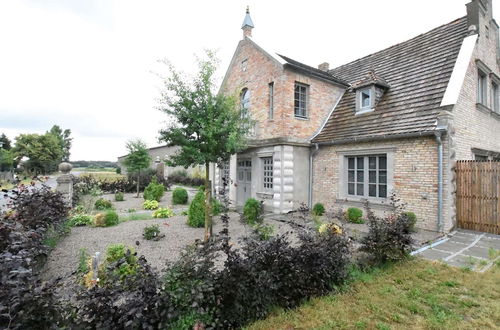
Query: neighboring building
(158, 157)
(391, 122)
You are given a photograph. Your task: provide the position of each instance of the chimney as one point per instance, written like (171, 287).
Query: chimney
(247, 25)
(325, 66)
(476, 10)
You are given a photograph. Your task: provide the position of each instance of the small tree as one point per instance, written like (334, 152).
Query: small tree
(208, 126)
(44, 152)
(64, 140)
(138, 159)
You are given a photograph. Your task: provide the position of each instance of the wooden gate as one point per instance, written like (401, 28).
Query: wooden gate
(478, 195)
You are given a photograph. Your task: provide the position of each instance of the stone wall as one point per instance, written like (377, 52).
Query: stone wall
(413, 179)
(476, 126)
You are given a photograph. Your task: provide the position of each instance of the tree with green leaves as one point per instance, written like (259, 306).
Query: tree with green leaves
(138, 159)
(207, 126)
(5, 142)
(6, 160)
(64, 140)
(43, 152)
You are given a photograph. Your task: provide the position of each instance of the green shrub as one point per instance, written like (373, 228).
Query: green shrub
(83, 257)
(125, 256)
(264, 231)
(118, 170)
(111, 218)
(163, 212)
(318, 209)
(119, 197)
(179, 196)
(150, 205)
(196, 214)
(154, 191)
(353, 214)
(252, 211)
(151, 232)
(102, 204)
(412, 218)
(216, 207)
(80, 220)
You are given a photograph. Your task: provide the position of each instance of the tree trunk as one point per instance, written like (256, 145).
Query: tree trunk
(208, 204)
(138, 179)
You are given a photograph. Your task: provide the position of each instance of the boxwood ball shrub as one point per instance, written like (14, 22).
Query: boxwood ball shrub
(412, 218)
(150, 205)
(318, 209)
(252, 211)
(353, 214)
(111, 218)
(179, 196)
(102, 204)
(154, 191)
(151, 232)
(119, 197)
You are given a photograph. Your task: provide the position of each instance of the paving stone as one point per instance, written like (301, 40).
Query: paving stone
(432, 254)
(463, 239)
(463, 261)
(489, 243)
(477, 251)
(450, 246)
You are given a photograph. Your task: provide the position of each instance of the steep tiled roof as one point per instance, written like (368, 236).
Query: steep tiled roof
(313, 71)
(417, 71)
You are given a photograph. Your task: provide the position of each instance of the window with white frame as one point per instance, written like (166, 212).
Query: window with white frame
(245, 102)
(481, 87)
(300, 100)
(367, 176)
(267, 173)
(364, 100)
(495, 97)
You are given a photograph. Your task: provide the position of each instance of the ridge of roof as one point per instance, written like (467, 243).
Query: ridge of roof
(312, 70)
(396, 45)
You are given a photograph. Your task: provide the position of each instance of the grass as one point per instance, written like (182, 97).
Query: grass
(417, 294)
(89, 169)
(104, 176)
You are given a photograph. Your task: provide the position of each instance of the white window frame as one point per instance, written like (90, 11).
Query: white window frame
(305, 109)
(482, 86)
(360, 109)
(343, 174)
(495, 94)
(267, 173)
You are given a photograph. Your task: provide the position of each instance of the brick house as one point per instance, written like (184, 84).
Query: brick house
(393, 121)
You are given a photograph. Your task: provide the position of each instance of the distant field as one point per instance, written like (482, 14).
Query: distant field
(104, 176)
(93, 169)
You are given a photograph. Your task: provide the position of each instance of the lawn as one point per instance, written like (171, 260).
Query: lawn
(416, 294)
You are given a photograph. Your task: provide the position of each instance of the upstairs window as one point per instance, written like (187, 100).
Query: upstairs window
(481, 87)
(271, 100)
(495, 97)
(245, 102)
(300, 100)
(364, 100)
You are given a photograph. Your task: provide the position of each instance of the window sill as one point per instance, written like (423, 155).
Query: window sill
(265, 195)
(301, 118)
(481, 107)
(379, 203)
(363, 111)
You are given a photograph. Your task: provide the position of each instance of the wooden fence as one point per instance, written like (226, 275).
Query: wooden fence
(478, 195)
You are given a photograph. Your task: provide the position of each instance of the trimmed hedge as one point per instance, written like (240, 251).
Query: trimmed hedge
(179, 196)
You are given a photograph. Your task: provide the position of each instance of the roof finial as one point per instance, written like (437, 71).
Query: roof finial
(247, 25)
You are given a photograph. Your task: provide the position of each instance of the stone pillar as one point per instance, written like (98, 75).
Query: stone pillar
(65, 182)
(160, 169)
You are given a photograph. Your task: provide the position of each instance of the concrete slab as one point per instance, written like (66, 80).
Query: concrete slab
(489, 243)
(463, 239)
(477, 252)
(451, 246)
(433, 254)
(463, 261)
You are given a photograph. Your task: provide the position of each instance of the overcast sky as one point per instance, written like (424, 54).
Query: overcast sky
(88, 65)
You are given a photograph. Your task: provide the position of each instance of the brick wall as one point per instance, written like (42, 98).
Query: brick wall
(475, 128)
(252, 68)
(414, 177)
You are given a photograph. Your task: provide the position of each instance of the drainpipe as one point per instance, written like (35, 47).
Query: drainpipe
(311, 156)
(440, 181)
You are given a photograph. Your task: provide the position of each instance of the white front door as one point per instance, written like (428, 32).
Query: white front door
(244, 181)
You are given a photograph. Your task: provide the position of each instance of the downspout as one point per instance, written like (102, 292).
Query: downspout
(440, 181)
(311, 176)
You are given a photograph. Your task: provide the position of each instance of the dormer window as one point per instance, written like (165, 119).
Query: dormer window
(364, 100)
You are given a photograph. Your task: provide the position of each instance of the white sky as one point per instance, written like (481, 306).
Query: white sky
(87, 65)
